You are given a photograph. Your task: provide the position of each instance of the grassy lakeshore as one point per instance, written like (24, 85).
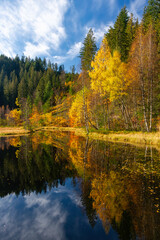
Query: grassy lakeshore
(12, 131)
(140, 138)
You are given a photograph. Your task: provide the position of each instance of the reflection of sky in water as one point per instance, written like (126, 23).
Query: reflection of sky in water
(58, 215)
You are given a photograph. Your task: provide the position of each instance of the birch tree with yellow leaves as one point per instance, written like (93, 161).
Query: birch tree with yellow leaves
(97, 76)
(109, 78)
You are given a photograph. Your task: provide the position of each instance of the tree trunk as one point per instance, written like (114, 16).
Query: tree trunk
(151, 80)
(104, 116)
(142, 83)
(92, 124)
(108, 117)
(143, 105)
(124, 114)
(127, 115)
(85, 110)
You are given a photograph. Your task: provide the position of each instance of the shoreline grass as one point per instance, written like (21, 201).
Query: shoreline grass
(140, 138)
(13, 131)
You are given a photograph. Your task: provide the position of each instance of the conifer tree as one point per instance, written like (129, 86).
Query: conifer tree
(88, 51)
(87, 54)
(1, 88)
(152, 16)
(153, 10)
(131, 29)
(6, 89)
(117, 36)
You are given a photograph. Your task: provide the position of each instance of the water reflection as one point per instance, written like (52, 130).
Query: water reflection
(68, 183)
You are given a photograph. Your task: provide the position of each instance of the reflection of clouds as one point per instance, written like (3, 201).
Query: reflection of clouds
(32, 200)
(7, 216)
(7, 201)
(76, 199)
(37, 216)
(53, 218)
(73, 196)
(48, 221)
(21, 218)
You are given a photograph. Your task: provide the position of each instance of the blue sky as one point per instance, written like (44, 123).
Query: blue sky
(55, 29)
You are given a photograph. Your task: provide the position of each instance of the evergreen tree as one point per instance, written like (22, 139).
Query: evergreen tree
(152, 16)
(34, 79)
(13, 89)
(1, 88)
(87, 54)
(120, 37)
(153, 10)
(40, 92)
(131, 29)
(88, 51)
(22, 89)
(6, 89)
(117, 36)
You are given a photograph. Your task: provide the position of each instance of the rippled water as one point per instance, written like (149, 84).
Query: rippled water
(59, 186)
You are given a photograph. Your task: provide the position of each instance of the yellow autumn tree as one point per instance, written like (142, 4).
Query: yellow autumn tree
(35, 117)
(115, 80)
(14, 117)
(109, 77)
(76, 112)
(117, 84)
(82, 109)
(99, 67)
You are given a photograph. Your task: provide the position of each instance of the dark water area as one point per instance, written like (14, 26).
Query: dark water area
(59, 186)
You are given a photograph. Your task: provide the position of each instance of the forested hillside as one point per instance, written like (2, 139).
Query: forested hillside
(26, 84)
(118, 87)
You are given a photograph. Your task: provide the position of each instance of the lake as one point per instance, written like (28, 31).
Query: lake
(56, 185)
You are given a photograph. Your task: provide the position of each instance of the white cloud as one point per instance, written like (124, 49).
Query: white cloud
(6, 48)
(74, 50)
(33, 50)
(59, 59)
(39, 24)
(72, 53)
(136, 7)
(99, 33)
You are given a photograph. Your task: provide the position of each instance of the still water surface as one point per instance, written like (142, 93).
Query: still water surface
(59, 186)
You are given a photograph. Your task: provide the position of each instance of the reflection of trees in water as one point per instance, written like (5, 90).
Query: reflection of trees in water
(87, 202)
(124, 185)
(118, 182)
(4, 143)
(33, 170)
(118, 198)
